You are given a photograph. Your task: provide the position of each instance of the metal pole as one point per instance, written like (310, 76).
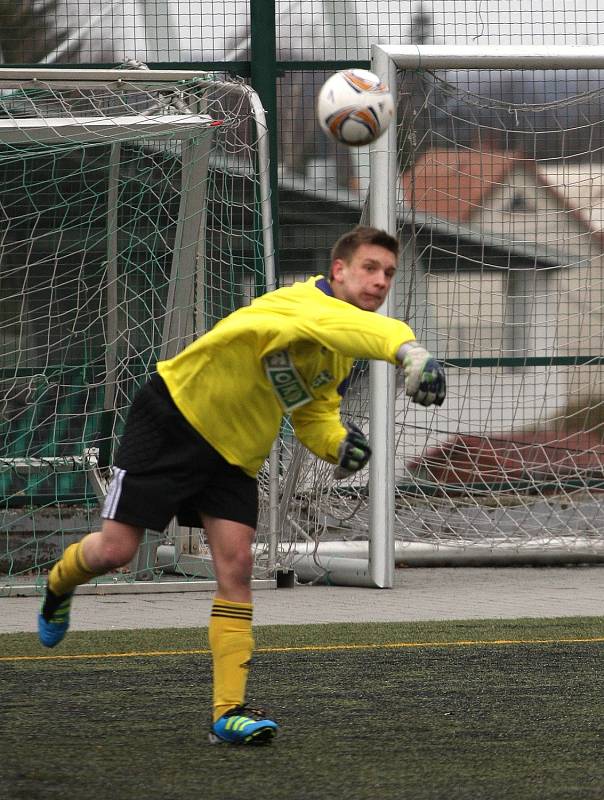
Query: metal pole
(263, 54)
(112, 299)
(264, 80)
(80, 76)
(270, 280)
(382, 214)
(439, 56)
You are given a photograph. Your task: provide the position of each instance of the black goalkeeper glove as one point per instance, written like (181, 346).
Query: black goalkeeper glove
(354, 452)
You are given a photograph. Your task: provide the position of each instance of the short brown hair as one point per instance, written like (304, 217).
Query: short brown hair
(347, 244)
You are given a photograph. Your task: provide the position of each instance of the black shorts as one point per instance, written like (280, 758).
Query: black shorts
(164, 468)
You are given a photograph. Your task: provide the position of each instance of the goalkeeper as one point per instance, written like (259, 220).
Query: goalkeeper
(199, 430)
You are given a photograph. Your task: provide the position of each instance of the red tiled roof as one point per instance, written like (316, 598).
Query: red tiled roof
(451, 184)
(543, 456)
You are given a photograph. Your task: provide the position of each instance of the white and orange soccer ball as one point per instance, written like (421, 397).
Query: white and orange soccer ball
(354, 107)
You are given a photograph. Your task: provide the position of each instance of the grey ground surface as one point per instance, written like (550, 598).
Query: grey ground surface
(418, 594)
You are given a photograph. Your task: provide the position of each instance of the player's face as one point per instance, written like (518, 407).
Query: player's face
(364, 280)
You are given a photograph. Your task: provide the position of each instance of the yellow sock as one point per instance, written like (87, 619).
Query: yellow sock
(70, 571)
(231, 642)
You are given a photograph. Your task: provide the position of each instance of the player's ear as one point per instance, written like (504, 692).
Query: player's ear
(337, 268)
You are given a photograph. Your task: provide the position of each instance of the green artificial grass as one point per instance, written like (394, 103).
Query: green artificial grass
(443, 712)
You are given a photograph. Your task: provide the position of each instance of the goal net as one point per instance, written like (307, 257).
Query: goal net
(493, 180)
(135, 213)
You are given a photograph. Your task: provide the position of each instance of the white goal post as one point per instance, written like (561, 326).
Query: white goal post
(548, 506)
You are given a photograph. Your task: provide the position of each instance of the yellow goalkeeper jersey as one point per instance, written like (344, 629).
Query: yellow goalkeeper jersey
(289, 352)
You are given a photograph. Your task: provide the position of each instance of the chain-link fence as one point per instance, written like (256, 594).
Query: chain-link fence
(287, 49)
(321, 187)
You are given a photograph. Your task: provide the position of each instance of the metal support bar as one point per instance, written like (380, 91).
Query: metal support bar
(381, 375)
(268, 190)
(130, 587)
(447, 56)
(188, 260)
(263, 52)
(11, 77)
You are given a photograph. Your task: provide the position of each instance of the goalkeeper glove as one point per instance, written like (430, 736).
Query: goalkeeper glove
(425, 381)
(354, 452)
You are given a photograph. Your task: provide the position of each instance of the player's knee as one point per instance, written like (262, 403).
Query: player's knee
(116, 555)
(237, 569)
(118, 547)
(243, 564)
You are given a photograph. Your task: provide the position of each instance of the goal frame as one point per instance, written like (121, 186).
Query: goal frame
(113, 130)
(385, 60)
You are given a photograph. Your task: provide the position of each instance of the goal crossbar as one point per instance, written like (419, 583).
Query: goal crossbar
(51, 130)
(30, 77)
(488, 57)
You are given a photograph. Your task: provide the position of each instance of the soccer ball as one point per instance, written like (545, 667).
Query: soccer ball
(354, 107)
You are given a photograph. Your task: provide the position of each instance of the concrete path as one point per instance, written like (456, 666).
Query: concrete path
(419, 594)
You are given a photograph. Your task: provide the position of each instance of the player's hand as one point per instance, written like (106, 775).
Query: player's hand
(354, 452)
(425, 381)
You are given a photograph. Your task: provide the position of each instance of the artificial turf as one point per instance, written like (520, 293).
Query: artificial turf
(497, 709)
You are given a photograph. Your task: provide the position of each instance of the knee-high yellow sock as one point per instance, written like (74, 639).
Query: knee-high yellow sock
(70, 571)
(231, 642)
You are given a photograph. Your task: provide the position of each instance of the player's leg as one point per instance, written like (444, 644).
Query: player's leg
(139, 497)
(94, 555)
(231, 639)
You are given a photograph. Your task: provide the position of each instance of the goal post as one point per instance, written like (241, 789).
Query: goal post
(382, 390)
(135, 209)
(492, 179)
(488, 179)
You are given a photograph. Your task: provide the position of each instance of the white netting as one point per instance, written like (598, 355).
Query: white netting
(504, 198)
(499, 206)
(133, 212)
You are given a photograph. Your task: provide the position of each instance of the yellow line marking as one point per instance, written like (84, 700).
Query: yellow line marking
(312, 648)
(132, 654)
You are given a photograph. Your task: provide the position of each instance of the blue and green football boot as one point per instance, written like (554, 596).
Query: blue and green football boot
(53, 619)
(243, 725)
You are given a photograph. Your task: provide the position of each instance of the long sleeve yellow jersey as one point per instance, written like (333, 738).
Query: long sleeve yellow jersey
(288, 352)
